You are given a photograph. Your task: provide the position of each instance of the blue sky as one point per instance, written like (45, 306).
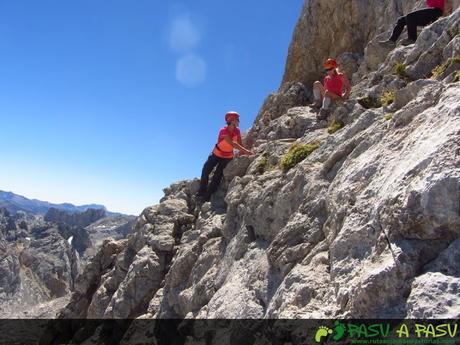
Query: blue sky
(111, 101)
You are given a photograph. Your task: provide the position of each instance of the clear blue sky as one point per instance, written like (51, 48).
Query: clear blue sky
(111, 101)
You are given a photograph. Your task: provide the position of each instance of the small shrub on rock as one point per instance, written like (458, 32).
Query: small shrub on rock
(400, 71)
(369, 102)
(388, 116)
(440, 69)
(297, 153)
(262, 164)
(334, 127)
(457, 76)
(387, 98)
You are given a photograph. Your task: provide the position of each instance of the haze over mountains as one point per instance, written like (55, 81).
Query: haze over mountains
(14, 202)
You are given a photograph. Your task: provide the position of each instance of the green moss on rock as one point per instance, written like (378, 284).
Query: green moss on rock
(297, 153)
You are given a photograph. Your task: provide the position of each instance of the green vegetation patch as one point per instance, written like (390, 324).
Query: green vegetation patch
(334, 127)
(387, 97)
(440, 69)
(453, 31)
(388, 116)
(262, 165)
(400, 71)
(297, 153)
(369, 102)
(457, 76)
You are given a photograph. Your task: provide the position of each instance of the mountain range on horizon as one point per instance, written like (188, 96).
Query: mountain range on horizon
(14, 203)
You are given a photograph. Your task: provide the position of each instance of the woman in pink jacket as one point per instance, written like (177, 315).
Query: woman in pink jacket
(425, 16)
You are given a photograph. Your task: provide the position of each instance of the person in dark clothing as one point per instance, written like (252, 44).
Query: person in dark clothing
(423, 17)
(229, 138)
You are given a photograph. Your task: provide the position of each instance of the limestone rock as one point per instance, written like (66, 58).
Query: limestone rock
(435, 44)
(315, 37)
(429, 48)
(434, 295)
(349, 63)
(446, 262)
(80, 219)
(372, 214)
(141, 282)
(117, 227)
(407, 94)
(9, 271)
(37, 265)
(237, 167)
(275, 105)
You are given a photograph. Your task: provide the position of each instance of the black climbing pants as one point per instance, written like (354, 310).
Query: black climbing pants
(212, 162)
(412, 20)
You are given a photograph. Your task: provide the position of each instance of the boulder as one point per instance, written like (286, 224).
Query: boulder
(434, 295)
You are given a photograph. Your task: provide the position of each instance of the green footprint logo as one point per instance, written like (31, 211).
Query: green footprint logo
(339, 330)
(322, 331)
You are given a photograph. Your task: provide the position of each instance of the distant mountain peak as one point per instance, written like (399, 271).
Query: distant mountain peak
(14, 203)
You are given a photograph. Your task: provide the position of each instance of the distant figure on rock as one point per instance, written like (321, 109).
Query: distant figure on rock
(423, 17)
(336, 87)
(229, 138)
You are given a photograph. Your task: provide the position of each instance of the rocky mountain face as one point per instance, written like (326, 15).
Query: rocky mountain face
(82, 219)
(72, 226)
(36, 264)
(41, 256)
(343, 29)
(354, 217)
(117, 227)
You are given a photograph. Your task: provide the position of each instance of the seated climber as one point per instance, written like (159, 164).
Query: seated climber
(229, 138)
(336, 87)
(423, 17)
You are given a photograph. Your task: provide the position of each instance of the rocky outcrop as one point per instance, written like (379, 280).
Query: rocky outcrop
(117, 227)
(86, 231)
(356, 48)
(337, 28)
(41, 256)
(275, 105)
(364, 225)
(436, 44)
(37, 264)
(9, 263)
(123, 277)
(79, 219)
(71, 226)
(52, 260)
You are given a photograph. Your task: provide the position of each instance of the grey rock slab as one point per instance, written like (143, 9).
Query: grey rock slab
(434, 296)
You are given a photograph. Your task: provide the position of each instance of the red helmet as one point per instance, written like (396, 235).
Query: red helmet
(231, 115)
(330, 63)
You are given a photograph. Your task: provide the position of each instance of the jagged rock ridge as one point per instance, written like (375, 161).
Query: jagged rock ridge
(41, 256)
(37, 264)
(366, 226)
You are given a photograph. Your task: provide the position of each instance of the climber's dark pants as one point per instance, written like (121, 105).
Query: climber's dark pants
(412, 20)
(212, 162)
